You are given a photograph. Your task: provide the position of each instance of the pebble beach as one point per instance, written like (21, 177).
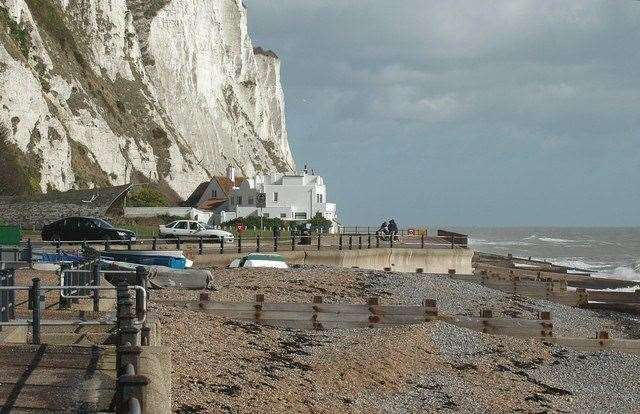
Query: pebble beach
(222, 365)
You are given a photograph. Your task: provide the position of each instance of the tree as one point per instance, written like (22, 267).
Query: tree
(319, 223)
(147, 196)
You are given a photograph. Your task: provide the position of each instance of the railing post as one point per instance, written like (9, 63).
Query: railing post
(452, 241)
(95, 272)
(293, 242)
(200, 245)
(239, 243)
(29, 251)
(422, 241)
(391, 236)
(221, 244)
(360, 241)
(377, 241)
(129, 244)
(368, 240)
(37, 310)
(154, 244)
(177, 242)
(340, 242)
(319, 241)
(258, 243)
(141, 280)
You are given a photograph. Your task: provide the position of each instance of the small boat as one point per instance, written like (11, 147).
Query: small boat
(260, 260)
(171, 259)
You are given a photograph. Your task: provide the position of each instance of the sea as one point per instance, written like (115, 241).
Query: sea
(612, 252)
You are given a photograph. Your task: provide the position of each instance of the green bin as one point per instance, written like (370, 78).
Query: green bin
(10, 235)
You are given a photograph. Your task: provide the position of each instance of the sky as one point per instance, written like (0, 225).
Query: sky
(485, 113)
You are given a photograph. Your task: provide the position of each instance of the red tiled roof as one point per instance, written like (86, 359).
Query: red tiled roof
(212, 203)
(226, 184)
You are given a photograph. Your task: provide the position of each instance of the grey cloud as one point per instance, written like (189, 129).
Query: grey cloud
(518, 95)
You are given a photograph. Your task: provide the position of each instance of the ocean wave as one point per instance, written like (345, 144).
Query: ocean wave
(622, 272)
(482, 242)
(577, 262)
(555, 240)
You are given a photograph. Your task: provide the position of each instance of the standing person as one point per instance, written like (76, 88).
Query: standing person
(382, 231)
(393, 229)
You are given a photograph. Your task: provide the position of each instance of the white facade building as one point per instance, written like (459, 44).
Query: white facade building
(288, 197)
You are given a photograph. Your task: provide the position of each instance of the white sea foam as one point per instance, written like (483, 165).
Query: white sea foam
(577, 262)
(482, 242)
(626, 273)
(554, 240)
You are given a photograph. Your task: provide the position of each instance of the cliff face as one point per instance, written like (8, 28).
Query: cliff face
(98, 92)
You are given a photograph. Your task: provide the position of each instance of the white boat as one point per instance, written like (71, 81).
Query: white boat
(260, 260)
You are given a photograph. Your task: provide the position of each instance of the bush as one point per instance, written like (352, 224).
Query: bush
(147, 197)
(254, 221)
(318, 223)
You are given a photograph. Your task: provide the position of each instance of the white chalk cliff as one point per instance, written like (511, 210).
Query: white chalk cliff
(99, 92)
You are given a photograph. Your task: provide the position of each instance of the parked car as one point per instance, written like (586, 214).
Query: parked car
(194, 229)
(259, 260)
(84, 228)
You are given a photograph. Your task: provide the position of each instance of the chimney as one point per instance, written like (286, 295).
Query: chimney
(231, 174)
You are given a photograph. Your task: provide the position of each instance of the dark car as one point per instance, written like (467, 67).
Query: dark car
(84, 228)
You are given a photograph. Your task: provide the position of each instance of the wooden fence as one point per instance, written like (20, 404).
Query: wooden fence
(319, 316)
(551, 286)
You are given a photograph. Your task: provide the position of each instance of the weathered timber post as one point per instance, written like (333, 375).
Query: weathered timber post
(177, 242)
(221, 244)
(340, 241)
(239, 243)
(275, 242)
(422, 241)
(350, 242)
(258, 243)
(360, 242)
(293, 241)
(200, 245)
(154, 244)
(131, 390)
(319, 241)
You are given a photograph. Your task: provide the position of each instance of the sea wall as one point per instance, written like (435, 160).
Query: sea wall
(398, 260)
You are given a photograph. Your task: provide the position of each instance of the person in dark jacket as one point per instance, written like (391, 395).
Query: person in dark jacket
(393, 229)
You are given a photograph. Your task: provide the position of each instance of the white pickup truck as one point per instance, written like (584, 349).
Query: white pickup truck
(193, 229)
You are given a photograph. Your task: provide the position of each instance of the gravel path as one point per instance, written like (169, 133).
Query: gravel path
(237, 367)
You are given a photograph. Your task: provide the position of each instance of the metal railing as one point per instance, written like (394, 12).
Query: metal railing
(7, 297)
(37, 305)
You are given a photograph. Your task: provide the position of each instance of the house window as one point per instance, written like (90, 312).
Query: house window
(283, 215)
(214, 193)
(319, 198)
(300, 216)
(275, 197)
(239, 200)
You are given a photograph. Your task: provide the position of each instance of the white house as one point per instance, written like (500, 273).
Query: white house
(289, 197)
